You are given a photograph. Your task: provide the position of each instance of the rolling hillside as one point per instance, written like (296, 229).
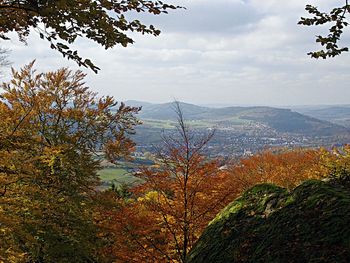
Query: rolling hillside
(281, 120)
(335, 114)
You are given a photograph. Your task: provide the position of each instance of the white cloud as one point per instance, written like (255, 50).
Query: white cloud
(222, 51)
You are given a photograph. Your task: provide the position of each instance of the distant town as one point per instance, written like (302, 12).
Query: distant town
(238, 141)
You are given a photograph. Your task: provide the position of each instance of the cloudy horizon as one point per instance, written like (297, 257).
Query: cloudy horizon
(227, 52)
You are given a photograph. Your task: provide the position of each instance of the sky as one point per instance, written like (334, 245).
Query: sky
(223, 52)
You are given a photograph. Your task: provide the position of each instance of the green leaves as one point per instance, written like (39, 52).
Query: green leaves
(329, 43)
(100, 21)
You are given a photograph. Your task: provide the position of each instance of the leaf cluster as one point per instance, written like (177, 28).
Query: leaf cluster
(336, 162)
(283, 167)
(336, 17)
(61, 22)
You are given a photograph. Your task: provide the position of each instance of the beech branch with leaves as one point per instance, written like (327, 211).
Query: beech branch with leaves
(337, 18)
(61, 22)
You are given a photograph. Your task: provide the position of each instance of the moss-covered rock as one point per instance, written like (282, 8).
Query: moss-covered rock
(268, 224)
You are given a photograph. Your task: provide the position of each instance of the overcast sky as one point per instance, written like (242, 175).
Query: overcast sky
(232, 52)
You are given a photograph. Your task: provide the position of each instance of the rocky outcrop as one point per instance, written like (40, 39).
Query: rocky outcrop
(269, 224)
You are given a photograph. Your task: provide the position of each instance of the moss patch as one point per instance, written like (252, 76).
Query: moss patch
(268, 224)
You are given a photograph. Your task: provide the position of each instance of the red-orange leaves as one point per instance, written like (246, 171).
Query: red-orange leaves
(286, 168)
(177, 198)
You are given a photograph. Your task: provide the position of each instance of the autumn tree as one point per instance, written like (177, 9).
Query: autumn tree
(336, 163)
(62, 22)
(177, 198)
(54, 132)
(130, 230)
(337, 18)
(283, 167)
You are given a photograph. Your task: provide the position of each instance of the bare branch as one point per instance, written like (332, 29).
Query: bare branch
(4, 62)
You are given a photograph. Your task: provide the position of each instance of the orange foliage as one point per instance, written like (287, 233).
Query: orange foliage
(51, 126)
(286, 168)
(168, 213)
(130, 232)
(179, 197)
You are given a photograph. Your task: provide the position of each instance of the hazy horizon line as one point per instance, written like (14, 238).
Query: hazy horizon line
(224, 105)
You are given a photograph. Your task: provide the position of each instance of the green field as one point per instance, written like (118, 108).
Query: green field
(122, 172)
(167, 124)
(117, 176)
(160, 124)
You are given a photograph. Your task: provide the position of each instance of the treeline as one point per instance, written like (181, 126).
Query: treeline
(53, 130)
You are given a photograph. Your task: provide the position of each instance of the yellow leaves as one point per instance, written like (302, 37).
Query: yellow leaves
(50, 125)
(51, 152)
(52, 158)
(14, 256)
(61, 200)
(150, 196)
(336, 162)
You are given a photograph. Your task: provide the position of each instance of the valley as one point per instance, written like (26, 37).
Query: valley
(239, 131)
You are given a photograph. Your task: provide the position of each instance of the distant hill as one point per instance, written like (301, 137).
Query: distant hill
(282, 120)
(335, 114)
(136, 103)
(269, 224)
(166, 111)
